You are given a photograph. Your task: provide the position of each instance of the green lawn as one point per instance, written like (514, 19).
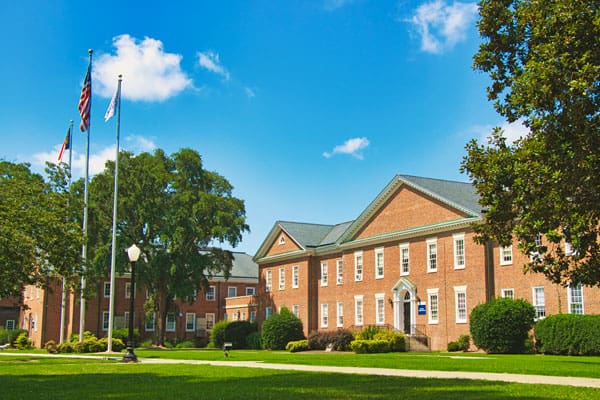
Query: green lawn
(64, 378)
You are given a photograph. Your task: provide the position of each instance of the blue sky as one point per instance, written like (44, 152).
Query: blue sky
(308, 108)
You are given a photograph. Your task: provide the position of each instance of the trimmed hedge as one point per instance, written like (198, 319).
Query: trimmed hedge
(370, 346)
(217, 334)
(373, 339)
(280, 329)
(462, 344)
(570, 334)
(237, 333)
(502, 325)
(297, 346)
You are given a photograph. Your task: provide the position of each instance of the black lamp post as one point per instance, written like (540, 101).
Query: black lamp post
(133, 253)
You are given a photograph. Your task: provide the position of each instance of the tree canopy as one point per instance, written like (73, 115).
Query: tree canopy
(174, 210)
(543, 58)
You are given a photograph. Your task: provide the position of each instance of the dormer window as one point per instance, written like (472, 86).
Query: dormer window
(282, 240)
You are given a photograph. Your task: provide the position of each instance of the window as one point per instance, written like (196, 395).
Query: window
(539, 302)
(340, 314)
(210, 320)
(268, 312)
(324, 274)
(358, 266)
(404, 259)
(460, 294)
(269, 281)
(575, 299)
(432, 255)
(105, 320)
(506, 256)
(296, 310)
(107, 289)
(508, 293)
(282, 240)
(324, 315)
(379, 267)
(295, 276)
(190, 322)
(150, 322)
(127, 290)
(231, 291)
(210, 293)
(434, 308)
(252, 316)
(339, 272)
(380, 309)
(281, 278)
(10, 324)
(250, 291)
(170, 322)
(535, 256)
(358, 310)
(459, 250)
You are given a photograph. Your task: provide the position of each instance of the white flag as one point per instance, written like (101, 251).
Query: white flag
(110, 111)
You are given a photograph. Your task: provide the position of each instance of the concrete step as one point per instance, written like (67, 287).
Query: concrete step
(417, 344)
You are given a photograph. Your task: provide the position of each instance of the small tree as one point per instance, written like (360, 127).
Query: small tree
(280, 329)
(502, 325)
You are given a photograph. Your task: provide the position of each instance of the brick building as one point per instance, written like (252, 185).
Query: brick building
(408, 262)
(226, 299)
(9, 313)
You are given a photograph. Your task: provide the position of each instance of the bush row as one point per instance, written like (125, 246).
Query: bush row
(338, 340)
(241, 334)
(570, 334)
(8, 336)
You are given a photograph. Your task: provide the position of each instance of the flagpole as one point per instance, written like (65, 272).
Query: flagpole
(63, 304)
(85, 214)
(114, 225)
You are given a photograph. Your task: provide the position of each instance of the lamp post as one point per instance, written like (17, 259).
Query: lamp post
(133, 253)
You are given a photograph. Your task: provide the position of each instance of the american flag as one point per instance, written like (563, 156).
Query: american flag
(66, 144)
(85, 101)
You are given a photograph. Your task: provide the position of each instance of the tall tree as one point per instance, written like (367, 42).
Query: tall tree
(39, 233)
(543, 58)
(174, 210)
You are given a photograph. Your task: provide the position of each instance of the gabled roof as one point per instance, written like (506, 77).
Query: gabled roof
(306, 235)
(243, 267)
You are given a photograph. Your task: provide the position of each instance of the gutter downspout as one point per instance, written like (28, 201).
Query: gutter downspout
(489, 271)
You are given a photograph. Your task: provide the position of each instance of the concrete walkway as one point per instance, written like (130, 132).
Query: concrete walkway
(407, 373)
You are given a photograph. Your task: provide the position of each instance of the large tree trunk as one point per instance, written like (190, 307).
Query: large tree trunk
(161, 305)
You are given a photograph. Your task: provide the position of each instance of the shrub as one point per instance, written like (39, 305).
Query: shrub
(236, 332)
(369, 346)
(51, 347)
(117, 344)
(462, 344)
(367, 333)
(297, 345)
(570, 334)
(186, 344)
(22, 342)
(339, 340)
(396, 340)
(280, 329)
(502, 325)
(253, 341)
(217, 334)
(9, 335)
(453, 346)
(89, 345)
(66, 347)
(123, 335)
(86, 335)
(146, 343)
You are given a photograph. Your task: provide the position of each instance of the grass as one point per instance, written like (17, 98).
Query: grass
(65, 378)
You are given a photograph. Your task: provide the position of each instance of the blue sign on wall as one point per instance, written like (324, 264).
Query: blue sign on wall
(422, 308)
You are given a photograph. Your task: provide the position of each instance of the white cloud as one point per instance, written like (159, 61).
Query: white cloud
(210, 60)
(511, 131)
(149, 73)
(441, 25)
(351, 146)
(331, 5)
(249, 92)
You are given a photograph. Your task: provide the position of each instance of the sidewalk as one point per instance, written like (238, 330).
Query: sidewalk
(407, 373)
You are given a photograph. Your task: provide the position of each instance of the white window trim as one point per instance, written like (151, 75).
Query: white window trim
(106, 285)
(10, 324)
(379, 297)
(150, 329)
(212, 318)
(502, 260)
(127, 290)
(250, 291)
(339, 272)
(503, 292)
(193, 329)
(404, 246)
(167, 329)
(234, 290)
(535, 303)
(378, 251)
(359, 298)
(460, 290)
(281, 240)
(357, 277)
(296, 310)
(456, 238)
(268, 280)
(430, 293)
(282, 278)
(295, 276)
(324, 315)
(570, 298)
(268, 312)
(339, 314)
(429, 242)
(212, 291)
(105, 317)
(324, 273)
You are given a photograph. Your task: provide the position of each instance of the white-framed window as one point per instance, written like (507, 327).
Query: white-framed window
(432, 255)
(269, 281)
(10, 324)
(434, 306)
(127, 290)
(231, 291)
(358, 310)
(324, 315)
(105, 320)
(339, 272)
(250, 291)
(34, 324)
(460, 299)
(459, 250)
(358, 266)
(170, 323)
(508, 293)
(539, 302)
(340, 314)
(379, 263)
(150, 322)
(281, 278)
(281, 240)
(106, 289)
(324, 274)
(295, 276)
(268, 312)
(210, 320)
(575, 299)
(190, 322)
(210, 293)
(538, 244)
(404, 259)
(380, 309)
(506, 255)
(296, 310)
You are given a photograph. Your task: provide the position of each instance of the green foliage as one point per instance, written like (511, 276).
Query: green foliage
(462, 344)
(280, 329)
(89, 345)
(339, 340)
(253, 341)
(297, 346)
(123, 335)
(22, 342)
(374, 339)
(66, 347)
(370, 346)
(543, 58)
(185, 344)
(9, 336)
(502, 325)
(367, 333)
(117, 344)
(51, 347)
(217, 334)
(237, 332)
(570, 334)
(396, 340)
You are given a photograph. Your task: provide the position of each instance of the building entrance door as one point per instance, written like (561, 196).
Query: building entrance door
(407, 316)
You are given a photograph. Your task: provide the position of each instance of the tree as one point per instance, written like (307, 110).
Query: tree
(39, 233)
(280, 329)
(543, 58)
(173, 209)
